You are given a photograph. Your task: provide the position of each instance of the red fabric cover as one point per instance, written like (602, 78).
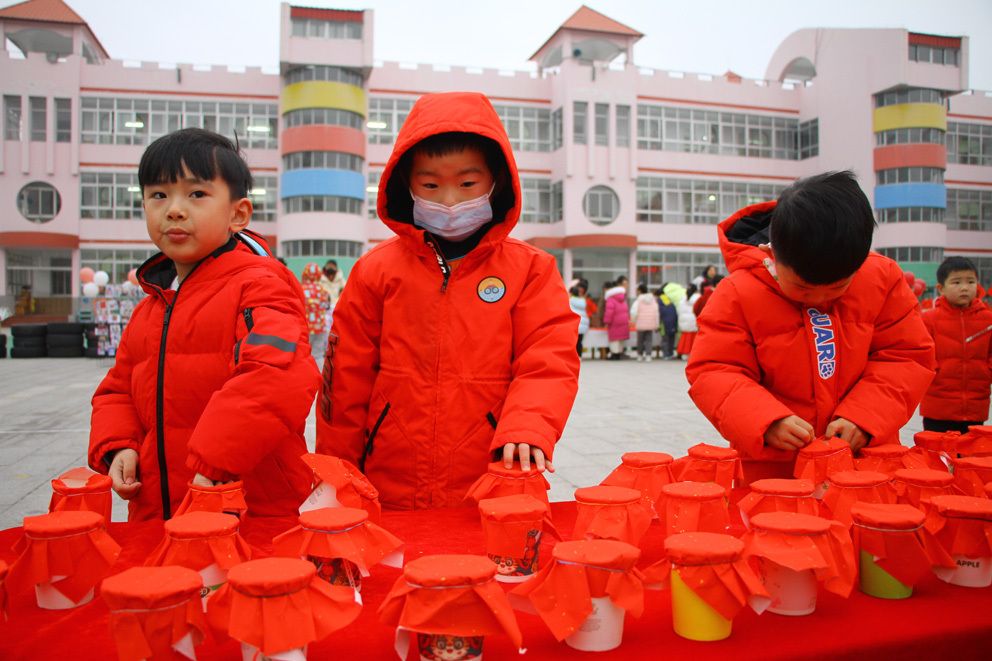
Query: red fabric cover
(454, 595)
(513, 359)
(235, 404)
(647, 472)
(338, 532)
(775, 495)
(94, 496)
(988, 490)
(849, 487)
(499, 481)
(963, 524)
(960, 391)
(710, 463)
(199, 539)
(152, 608)
(711, 565)
(917, 486)
(3, 591)
(888, 459)
(971, 474)
(750, 367)
(228, 497)
(937, 447)
(507, 521)
(73, 544)
(606, 512)
(693, 507)
(279, 604)
(895, 536)
(821, 458)
(352, 488)
(977, 442)
(562, 592)
(800, 542)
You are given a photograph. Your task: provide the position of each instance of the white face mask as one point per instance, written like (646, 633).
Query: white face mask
(454, 223)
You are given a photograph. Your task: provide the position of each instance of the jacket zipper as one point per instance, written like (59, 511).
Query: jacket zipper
(442, 263)
(249, 324)
(370, 439)
(445, 268)
(491, 419)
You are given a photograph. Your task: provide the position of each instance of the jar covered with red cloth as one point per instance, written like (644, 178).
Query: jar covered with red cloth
(339, 483)
(82, 489)
(498, 481)
(225, 498)
(820, 459)
(849, 487)
(778, 495)
(916, 486)
(514, 527)
(963, 525)
(711, 463)
(693, 507)
(888, 458)
(605, 512)
(971, 474)
(647, 472)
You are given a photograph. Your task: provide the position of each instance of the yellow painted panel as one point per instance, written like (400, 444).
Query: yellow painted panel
(910, 115)
(323, 94)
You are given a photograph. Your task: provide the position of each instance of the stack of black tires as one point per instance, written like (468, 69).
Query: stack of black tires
(54, 340)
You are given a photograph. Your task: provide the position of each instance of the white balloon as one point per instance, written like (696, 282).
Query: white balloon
(100, 278)
(127, 287)
(91, 289)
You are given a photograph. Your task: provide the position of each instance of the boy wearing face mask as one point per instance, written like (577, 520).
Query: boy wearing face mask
(453, 345)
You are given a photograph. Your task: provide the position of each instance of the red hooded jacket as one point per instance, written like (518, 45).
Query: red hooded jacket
(430, 370)
(960, 391)
(760, 356)
(215, 378)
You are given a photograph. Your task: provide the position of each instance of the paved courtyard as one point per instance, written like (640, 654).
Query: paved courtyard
(621, 407)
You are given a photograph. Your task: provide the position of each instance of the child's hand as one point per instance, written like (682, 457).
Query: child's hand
(790, 433)
(849, 432)
(124, 473)
(526, 451)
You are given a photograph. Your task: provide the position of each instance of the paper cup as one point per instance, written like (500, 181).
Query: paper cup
(876, 582)
(792, 592)
(602, 630)
(338, 571)
(439, 647)
(970, 572)
(692, 617)
(252, 653)
(50, 598)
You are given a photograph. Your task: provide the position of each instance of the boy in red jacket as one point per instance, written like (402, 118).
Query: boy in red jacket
(961, 326)
(810, 334)
(213, 378)
(453, 344)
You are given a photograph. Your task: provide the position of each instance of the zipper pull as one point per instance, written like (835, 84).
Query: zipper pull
(441, 261)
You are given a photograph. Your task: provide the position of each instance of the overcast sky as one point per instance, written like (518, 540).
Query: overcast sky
(703, 36)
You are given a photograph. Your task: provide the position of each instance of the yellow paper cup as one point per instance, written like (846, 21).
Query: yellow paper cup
(692, 617)
(877, 582)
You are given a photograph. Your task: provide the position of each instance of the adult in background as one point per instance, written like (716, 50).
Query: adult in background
(617, 320)
(705, 277)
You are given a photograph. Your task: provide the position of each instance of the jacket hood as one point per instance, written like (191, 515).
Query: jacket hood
(741, 234)
(462, 112)
(311, 273)
(613, 291)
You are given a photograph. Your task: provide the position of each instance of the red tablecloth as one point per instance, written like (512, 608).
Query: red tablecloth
(939, 620)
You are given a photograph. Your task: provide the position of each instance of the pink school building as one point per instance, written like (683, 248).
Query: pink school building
(624, 169)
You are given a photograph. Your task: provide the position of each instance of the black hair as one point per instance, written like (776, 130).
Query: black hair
(331, 261)
(716, 280)
(609, 284)
(204, 154)
(398, 202)
(622, 278)
(821, 227)
(706, 270)
(952, 264)
(690, 290)
(642, 288)
(574, 291)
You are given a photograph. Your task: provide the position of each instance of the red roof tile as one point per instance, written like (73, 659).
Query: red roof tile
(48, 11)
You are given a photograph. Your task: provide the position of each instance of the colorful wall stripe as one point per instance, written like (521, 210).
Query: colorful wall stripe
(340, 183)
(323, 94)
(892, 196)
(910, 115)
(322, 137)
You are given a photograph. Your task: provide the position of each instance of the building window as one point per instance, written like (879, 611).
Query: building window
(984, 266)
(557, 201)
(117, 263)
(657, 268)
(320, 248)
(934, 55)
(908, 95)
(556, 129)
(580, 122)
(264, 195)
(696, 201)
(623, 126)
(109, 195)
(536, 200)
(319, 29)
(63, 120)
(970, 144)
(529, 129)
(39, 118)
(914, 175)
(323, 160)
(809, 139)
(11, 117)
(914, 254)
(325, 117)
(386, 117)
(39, 202)
(707, 131)
(602, 123)
(329, 203)
(372, 193)
(913, 136)
(969, 210)
(47, 272)
(911, 215)
(321, 72)
(601, 205)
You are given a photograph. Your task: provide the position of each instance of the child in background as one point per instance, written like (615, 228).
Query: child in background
(453, 344)
(687, 322)
(577, 301)
(961, 327)
(318, 303)
(811, 334)
(213, 378)
(669, 323)
(616, 318)
(644, 313)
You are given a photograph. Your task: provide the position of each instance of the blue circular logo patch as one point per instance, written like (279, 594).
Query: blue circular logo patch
(491, 289)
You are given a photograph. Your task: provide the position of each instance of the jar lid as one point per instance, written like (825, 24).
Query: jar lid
(888, 517)
(924, 477)
(338, 472)
(823, 446)
(270, 577)
(441, 571)
(605, 553)
(333, 519)
(646, 459)
(980, 430)
(974, 463)
(142, 588)
(854, 479)
(201, 524)
(519, 506)
(607, 495)
(712, 452)
(60, 524)
(95, 483)
(884, 451)
(498, 468)
(702, 548)
(935, 441)
(694, 490)
(790, 523)
(963, 507)
(783, 487)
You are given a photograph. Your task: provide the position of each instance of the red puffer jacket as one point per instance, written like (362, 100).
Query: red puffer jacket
(960, 391)
(760, 356)
(429, 369)
(214, 378)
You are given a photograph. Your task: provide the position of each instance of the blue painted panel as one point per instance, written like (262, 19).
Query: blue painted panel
(892, 196)
(341, 183)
